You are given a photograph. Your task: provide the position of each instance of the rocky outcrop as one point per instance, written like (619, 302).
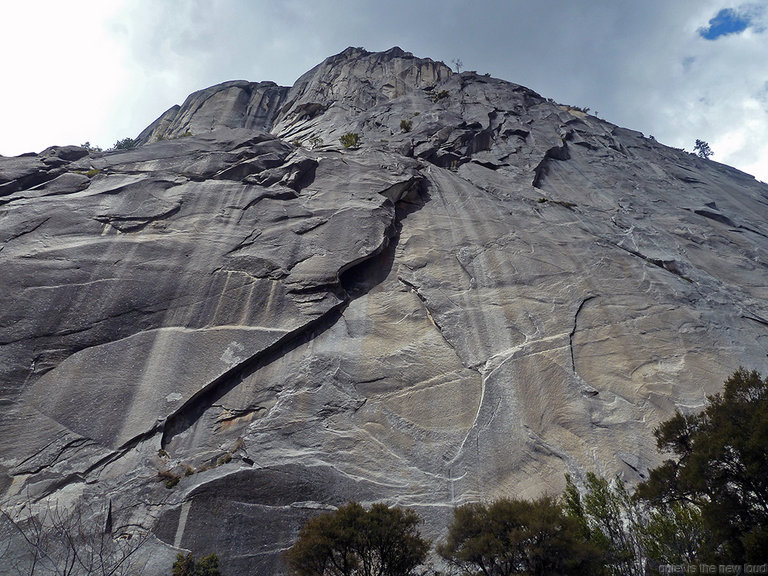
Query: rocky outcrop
(490, 291)
(235, 104)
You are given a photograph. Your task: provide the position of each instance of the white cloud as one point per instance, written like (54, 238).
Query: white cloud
(99, 71)
(61, 69)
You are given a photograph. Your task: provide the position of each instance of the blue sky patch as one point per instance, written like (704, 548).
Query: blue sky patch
(727, 21)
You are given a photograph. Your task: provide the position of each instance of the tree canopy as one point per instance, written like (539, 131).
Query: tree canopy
(353, 541)
(187, 566)
(721, 468)
(702, 149)
(511, 536)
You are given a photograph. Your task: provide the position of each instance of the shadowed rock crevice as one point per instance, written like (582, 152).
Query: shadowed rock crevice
(560, 153)
(672, 266)
(575, 327)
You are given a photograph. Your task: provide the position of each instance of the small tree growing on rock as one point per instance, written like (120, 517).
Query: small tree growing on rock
(702, 149)
(125, 144)
(350, 140)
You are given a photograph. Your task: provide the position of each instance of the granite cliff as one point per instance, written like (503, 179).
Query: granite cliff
(492, 290)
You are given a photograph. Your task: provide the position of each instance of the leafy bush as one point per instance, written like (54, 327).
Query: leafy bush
(382, 541)
(609, 520)
(440, 95)
(406, 125)
(187, 566)
(314, 142)
(511, 536)
(350, 140)
(722, 458)
(702, 149)
(125, 144)
(89, 148)
(90, 173)
(169, 477)
(223, 459)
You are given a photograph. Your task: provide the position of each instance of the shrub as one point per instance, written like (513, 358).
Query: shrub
(406, 125)
(187, 566)
(609, 519)
(125, 144)
(314, 142)
(223, 459)
(702, 149)
(440, 95)
(89, 148)
(350, 140)
(382, 541)
(721, 459)
(511, 536)
(170, 478)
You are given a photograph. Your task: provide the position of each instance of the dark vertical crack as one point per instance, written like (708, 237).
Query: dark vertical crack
(573, 330)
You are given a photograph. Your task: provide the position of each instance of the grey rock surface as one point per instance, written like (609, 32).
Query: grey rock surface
(492, 290)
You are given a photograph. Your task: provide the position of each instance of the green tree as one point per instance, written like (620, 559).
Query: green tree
(672, 534)
(511, 536)
(89, 148)
(350, 140)
(187, 566)
(633, 535)
(125, 144)
(721, 464)
(381, 541)
(702, 149)
(609, 520)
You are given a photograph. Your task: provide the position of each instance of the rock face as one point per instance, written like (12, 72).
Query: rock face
(491, 291)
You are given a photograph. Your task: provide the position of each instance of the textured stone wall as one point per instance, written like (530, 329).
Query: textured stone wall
(475, 301)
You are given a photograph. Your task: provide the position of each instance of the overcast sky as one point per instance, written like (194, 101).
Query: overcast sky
(98, 70)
